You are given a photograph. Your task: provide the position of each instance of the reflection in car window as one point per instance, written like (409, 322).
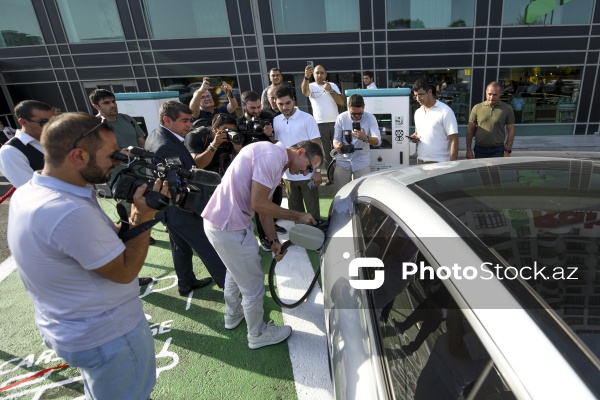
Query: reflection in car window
(544, 214)
(429, 348)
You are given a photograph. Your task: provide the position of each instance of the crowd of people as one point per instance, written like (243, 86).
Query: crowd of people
(82, 276)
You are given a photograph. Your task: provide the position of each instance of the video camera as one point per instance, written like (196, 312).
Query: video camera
(254, 127)
(144, 167)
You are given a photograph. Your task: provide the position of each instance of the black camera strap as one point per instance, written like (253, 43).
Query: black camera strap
(125, 233)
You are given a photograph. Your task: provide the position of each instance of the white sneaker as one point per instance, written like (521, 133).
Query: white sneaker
(272, 334)
(232, 322)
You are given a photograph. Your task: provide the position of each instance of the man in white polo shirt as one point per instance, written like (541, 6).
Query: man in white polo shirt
(81, 277)
(436, 130)
(290, 127)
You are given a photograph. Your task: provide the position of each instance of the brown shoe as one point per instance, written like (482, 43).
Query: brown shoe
(144, 281)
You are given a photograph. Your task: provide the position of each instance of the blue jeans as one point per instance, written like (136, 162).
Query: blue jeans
(488, 152)
(124, 368)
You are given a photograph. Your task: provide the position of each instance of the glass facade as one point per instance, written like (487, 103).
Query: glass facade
(430, 13)
(19, 26)
(90, 20)
(547, 12)
(186, 18)
(310, 16)
(543, 95)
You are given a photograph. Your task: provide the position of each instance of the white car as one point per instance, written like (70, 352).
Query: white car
(474, 279)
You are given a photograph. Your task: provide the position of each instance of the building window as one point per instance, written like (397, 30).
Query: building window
(415, 14)
(543, 95)
(547, 12)
(19, 26)
(186, 18)
(451, 86)
(80, 27)
(310, 16)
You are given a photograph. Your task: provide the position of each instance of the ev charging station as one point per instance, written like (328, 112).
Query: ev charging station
(143, 107)
(391, 109)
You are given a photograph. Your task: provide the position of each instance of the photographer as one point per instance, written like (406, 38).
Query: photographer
(253, 115)
(186, 230)
(81, 277)
(210, 146)
(355, 160)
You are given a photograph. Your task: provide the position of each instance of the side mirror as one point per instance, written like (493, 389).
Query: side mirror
(307, 236)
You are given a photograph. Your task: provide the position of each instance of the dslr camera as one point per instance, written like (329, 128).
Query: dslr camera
(234, 137)
(185, 185)
(255, 128)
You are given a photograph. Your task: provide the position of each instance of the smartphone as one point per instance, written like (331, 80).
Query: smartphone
(311, 184)
(215, 82)
(310, 64)
(355, 126)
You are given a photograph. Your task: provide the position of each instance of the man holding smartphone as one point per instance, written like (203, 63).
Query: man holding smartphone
(291, 127)
(355, 132)
(203, 104)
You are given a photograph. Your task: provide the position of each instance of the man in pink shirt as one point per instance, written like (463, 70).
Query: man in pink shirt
(246, 188)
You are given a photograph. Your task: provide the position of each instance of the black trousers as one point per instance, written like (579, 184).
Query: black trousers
(277, 198)
(187, 238)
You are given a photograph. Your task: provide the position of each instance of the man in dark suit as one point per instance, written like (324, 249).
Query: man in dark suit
(186, 230)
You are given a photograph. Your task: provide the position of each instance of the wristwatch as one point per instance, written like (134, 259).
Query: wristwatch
(273, 241)
(318, 170)
(331, 91)
(307, 79)
(507, 150)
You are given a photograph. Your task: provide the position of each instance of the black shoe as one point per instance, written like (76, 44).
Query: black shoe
(144, 281)
(152, 241)
(264, 244)
(199, 284)
(280, 229)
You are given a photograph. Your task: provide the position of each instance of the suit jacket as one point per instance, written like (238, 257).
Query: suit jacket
(165, 145)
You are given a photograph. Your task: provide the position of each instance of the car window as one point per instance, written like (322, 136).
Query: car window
(430, 350)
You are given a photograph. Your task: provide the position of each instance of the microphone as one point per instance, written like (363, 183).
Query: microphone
(201, 177)
(139, 152)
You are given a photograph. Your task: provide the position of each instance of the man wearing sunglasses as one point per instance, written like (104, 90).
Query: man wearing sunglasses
(23, 154)
(80, 275)
(247, 188)
(353, 165)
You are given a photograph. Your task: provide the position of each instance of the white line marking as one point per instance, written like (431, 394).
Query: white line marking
(307, 344)
(7, 267)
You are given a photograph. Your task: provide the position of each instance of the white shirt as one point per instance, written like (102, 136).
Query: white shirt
(324, 106)
(301, 126)
(372, 86)
(14, 164)
(433, 128)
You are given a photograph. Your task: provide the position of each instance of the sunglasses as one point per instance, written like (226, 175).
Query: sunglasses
(42, 122)
(102, 123)
(357, 114)
(310, 168)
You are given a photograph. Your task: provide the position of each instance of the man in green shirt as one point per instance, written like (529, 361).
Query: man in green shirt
(492, 122)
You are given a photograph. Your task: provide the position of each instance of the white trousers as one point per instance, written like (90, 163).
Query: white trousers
(239, 252)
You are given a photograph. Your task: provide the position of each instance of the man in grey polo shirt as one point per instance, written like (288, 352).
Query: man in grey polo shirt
(79, 274)
(353, 165)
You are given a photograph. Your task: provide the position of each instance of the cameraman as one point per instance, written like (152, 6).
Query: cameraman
(186, 231)
(79, 274)
(210, 146)
(252, 110)
(352, 164)
(255, 123)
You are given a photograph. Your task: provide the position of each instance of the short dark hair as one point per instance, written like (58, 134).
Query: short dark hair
(25, 108)
(284, 91)
(171, 109)
(60, 135)
(98, 94)
(222, 119)
(421, 84)
(250, 96)
(368, 73)
(274, 69)
(356, 100)
(312, 149)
